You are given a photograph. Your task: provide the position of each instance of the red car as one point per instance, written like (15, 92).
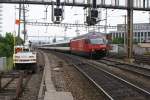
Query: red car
(91, 45)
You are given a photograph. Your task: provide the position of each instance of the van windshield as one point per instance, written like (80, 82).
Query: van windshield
(25, 50)
(98, 41)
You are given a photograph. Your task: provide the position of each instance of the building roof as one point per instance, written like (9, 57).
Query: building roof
(137, 27)
(88, 35)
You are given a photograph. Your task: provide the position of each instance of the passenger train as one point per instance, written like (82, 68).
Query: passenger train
(92, 45)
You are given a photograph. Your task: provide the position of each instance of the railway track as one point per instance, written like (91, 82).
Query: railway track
(144, 71)
(142, 59)
(13, 84)
(114, 87)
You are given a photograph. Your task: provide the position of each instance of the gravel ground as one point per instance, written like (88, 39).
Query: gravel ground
(132, 77)
(67, 78)
(32, 89)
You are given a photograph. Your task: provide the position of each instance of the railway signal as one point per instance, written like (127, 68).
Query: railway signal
(57, 13)
(91, 18)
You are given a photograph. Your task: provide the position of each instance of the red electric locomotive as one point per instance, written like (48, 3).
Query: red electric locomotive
(92, 45)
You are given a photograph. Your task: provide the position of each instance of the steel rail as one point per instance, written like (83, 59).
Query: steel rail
(6, 85)
(142, 59)
(89, 78)
(78, 64)
(145, 91)
(18, 88)
(129, 67)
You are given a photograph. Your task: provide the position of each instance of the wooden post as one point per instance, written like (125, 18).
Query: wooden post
(19, 85)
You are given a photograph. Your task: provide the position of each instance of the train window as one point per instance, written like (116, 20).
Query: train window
(87, 41)
(97, 41)
(66, 45)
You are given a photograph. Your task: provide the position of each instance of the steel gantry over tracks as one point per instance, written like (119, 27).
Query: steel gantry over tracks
(128, 5)
(68, 25)
(113, 4)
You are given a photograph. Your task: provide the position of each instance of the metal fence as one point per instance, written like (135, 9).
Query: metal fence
(2, 63)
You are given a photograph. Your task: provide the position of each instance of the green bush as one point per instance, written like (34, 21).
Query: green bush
(7, 44)
(118, 40)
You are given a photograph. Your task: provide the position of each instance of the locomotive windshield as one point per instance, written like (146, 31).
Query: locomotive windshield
(98, 41)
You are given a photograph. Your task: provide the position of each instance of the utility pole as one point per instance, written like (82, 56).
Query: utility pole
(100, 18)
(140, 3)
(116, 2)
(65, 33)
(77, 30)
(147, 3)
(38, 37)
(102, 2)
(24, 24)
(22, 17)
(149, 17)
(89, 9)
(45, 17)
(125, 30)
(143, 3)
(19, 20)
(130, 30)
(106, 22)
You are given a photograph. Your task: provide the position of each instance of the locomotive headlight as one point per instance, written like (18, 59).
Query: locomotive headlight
(103, 49)
(93, 50)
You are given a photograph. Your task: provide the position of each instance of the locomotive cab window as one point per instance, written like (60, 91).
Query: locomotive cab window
(97, 41)
(87, 41)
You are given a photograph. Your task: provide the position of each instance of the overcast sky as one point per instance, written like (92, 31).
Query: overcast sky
(72, 14)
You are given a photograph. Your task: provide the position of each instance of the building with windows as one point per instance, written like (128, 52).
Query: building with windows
(1, 19)
(141, 32)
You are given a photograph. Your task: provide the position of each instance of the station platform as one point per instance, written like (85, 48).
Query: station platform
(47, 90)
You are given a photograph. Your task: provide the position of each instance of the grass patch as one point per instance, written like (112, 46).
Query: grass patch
(9, 63)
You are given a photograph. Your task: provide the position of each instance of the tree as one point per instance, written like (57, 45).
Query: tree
(7, 44)
(1, 39)
(19, 41)
(118, 40)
